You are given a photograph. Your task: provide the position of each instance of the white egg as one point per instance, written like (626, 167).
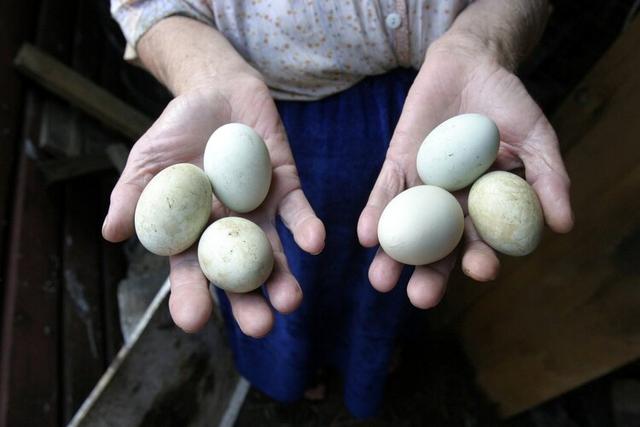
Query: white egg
(237, 163)
(421, 225)
(173, 209)
(458, 151)
(506, 213)
(235, 254)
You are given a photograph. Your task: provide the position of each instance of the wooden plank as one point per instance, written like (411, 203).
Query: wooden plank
(193, 384)
(83, 335)
(17, 25)
(113, 271)
(30, 317)
(64, 169)
(81, 92)
(569, 313)
(58, 136)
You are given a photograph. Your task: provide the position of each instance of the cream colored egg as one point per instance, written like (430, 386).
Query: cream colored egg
(235, 254)
(506, 213)
(458, 151)
(237, 163)
(173, 209)
(421, 225)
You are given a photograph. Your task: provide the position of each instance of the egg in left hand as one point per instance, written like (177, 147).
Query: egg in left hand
(173, 209)
(235, 254)
(237, 162)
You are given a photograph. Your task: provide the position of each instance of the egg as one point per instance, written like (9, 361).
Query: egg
(173, 209)
(506, 213)
(421, 225)
(458, 151)
(237, 163)
(235, 254)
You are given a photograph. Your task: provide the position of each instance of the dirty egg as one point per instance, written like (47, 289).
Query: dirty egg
(458, 151)
(235, 254)
(421, 225)
(173, 209)
(237, 163)
(506, 213)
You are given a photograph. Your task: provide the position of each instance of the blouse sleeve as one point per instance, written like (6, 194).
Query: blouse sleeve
(136, 17)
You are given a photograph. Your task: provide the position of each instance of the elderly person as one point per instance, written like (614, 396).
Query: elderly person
(357, 85)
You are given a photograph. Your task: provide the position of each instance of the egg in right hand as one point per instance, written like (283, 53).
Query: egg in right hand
(421, 225)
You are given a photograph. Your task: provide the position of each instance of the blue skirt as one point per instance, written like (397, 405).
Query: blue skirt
(339, 144)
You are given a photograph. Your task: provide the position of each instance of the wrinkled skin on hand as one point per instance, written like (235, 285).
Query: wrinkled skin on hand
(180, 135)
(451, 82)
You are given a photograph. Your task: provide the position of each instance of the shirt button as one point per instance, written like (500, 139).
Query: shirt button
(393, 21)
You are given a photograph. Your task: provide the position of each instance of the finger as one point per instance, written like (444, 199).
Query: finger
(285, 294)
(390, 182)
(252, 313)
(428, 283)
(384, 272)
(190, 301)
(553, 191)
(298, 216)
(545, 171)
(118, 224)
(479, 261)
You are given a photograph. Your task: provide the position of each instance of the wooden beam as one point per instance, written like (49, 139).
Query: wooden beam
(569, 312)
(17, 24)
(82, 318)
(30, 335)
(81, 92)
(63, 169)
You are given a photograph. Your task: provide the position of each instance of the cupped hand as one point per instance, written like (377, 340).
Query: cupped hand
(179, 136)
(456, 79)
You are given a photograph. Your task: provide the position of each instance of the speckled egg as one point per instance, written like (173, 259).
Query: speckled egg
(173, 209)
(237, 163)
(235, 254)
(506, 213)
(458, 151)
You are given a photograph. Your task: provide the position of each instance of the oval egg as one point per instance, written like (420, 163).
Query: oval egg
(235, 254)
(173, 209)
(237, 162)
(421, 225)
(506, 213)
(458, 151)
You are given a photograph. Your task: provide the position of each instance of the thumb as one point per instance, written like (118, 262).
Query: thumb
(119, 222)
(390, 182)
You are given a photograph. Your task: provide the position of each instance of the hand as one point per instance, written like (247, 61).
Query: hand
(180, 135)
(460, 78)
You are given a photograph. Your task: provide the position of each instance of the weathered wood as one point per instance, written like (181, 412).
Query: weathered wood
(30, 335)
(59, 137)
(164, 377)
(81, 92)
(64, 169)
(113, 270)
(83, 331)
(569, 312)
(16, 25)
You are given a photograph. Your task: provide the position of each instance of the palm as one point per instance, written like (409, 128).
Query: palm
(180, 135)
(449, 84)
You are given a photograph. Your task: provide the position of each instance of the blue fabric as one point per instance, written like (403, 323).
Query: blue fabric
(339, 144)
